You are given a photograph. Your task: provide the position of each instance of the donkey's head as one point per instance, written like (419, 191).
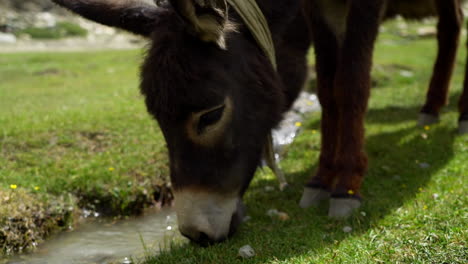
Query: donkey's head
(215, 96)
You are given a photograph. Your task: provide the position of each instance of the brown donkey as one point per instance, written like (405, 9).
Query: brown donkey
(344, 32)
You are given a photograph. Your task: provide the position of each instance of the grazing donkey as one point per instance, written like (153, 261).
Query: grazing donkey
(344, 32)
(216, 96)
(214, 93)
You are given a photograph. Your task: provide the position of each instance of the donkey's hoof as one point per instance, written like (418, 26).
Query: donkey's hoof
(342, 207)
(312, 197)
(427, 119)
(463, 127)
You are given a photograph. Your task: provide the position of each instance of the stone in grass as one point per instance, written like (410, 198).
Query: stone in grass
(246, 252)
(272, 212)
(347, 229)
(283, 216)
(278, 214)
(424, 165)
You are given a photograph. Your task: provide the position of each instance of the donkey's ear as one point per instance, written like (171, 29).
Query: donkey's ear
(207, 19)
(131, 15)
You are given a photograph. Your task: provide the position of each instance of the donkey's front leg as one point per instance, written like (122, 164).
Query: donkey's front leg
(351, 92)
(318, 188)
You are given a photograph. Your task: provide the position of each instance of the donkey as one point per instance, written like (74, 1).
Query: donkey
(216, 96)
(344, 33)
(214, 93)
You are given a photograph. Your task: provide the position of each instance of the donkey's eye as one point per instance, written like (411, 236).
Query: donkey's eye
(209, 118)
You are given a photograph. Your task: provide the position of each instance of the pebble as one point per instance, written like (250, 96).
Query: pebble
(272, 212)
(246, 252)
(7, 38)
(363, 213)
(269, 188)
(406, 74)
(246, 218)
(424, 165)
(127, 261)
(347, 229)
(283, 216)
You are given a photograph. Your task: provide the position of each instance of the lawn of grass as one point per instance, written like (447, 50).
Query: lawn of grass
(74, 123)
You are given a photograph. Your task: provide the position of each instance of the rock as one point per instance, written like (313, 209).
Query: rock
(427, 32)
(246, 252)
(45, 19)
(283, 216)
(272, 212)
(127, 261)
(347, 229)
(424, 165)
(6, 38)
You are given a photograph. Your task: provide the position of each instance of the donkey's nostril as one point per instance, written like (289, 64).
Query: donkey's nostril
(204, 240)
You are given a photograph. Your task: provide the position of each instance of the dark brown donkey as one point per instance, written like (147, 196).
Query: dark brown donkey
(344, 33)
(214, 94)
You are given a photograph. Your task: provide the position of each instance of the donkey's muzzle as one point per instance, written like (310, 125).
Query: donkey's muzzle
(206, 218)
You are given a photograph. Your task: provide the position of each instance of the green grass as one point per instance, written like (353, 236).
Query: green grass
(67, 118)
(60, 30)
(410, 214)
(74, 123)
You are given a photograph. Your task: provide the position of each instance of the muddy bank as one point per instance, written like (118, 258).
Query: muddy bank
(27, 218)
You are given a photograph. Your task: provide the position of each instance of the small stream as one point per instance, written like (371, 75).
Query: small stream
(104, 241)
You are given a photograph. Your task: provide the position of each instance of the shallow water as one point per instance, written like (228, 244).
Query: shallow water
(104, 242)
(292, 122)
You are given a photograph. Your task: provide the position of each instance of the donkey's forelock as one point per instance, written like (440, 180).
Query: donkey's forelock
(179, 71)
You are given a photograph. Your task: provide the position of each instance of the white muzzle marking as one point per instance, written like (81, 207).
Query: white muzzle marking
(207, 212)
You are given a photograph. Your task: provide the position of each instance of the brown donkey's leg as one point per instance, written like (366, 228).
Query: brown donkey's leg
(326, 47)
(463, 106)
(448, 33)
(351, 91)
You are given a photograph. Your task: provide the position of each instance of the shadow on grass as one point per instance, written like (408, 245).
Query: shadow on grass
(395, 176)
(394, 114)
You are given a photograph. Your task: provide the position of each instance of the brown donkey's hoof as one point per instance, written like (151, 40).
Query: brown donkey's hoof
(463, 127)
(343, 207)
(427, 119)
(313, 196)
